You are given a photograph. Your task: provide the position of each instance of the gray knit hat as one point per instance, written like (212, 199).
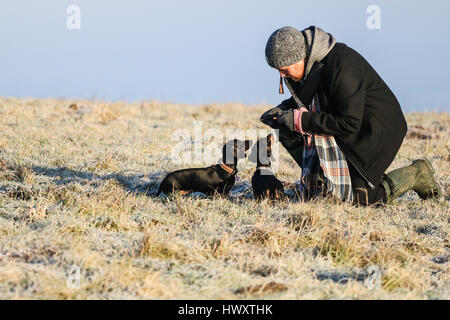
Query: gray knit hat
(285, 46)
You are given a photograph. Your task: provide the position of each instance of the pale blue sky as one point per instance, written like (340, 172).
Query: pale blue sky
(211, 51)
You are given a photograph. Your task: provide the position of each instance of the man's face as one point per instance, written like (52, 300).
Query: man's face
(294, 71)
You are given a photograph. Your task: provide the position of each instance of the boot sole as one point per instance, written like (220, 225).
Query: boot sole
(436, 192)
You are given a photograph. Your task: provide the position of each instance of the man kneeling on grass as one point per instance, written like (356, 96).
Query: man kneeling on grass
(342, 125)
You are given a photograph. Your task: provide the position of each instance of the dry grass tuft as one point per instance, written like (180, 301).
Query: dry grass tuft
(270, 287)
(153, 246)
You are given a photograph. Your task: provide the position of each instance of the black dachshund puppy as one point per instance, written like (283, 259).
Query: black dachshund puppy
(264, 183)
(216, 179)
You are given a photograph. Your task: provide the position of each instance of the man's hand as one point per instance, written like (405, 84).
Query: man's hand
(268, 116)
(279, 119)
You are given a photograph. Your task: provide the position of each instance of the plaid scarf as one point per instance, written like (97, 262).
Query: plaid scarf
(325, 171)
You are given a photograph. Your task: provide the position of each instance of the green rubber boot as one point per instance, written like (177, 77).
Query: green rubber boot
(419, 177)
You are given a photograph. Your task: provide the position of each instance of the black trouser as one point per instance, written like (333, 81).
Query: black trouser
(362, 194)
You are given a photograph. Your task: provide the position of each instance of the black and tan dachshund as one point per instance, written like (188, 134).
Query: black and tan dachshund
(216, 179)
(264, 183)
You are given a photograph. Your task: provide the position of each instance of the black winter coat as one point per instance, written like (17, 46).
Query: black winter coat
(358, 109)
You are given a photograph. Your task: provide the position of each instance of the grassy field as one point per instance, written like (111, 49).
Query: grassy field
(78, 219)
